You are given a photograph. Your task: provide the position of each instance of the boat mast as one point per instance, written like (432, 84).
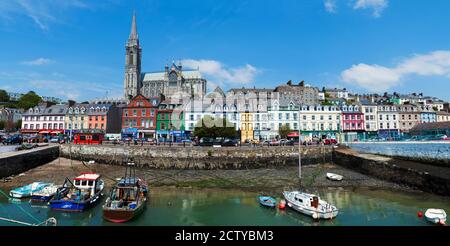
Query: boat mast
(299, 145)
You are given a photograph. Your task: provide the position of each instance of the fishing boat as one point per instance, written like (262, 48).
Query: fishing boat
(26, 191)
(84, 192)
(334, 177)
(436, 216)
(310, 205)
(128, 198)
(45, 194)
(267, 201)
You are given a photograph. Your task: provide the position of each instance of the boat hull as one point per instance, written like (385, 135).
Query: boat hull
(120, 215)
(36, 198)
(311, 211)
(74, 206)
(19, 195)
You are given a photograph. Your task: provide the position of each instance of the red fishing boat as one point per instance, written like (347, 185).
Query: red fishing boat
(128, 198)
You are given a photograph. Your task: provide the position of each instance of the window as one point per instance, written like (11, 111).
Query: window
(304, 117)
(295, 126)
(191, 117)
(144, 112)
(321, 117)
(295, 116)
(313, 117)
(280, 116)
(287, 116)
(134, 112)
(381, 117)
(381, 125)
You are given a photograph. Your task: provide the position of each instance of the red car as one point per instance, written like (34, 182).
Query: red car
(330, 141)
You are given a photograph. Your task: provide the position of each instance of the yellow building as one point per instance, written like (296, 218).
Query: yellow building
(246, 127)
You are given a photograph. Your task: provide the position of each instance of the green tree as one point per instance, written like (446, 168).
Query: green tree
(214, 127)
(2, 124)
(29, 100)
(326, 103)
(4, 97)
(284, 131)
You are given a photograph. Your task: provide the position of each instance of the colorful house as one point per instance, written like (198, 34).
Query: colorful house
(140, 114)
(170, 124)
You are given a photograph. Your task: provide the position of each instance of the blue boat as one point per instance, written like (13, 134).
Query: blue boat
(85, 191)
(26, 191)
(267, 201)
(45, 194)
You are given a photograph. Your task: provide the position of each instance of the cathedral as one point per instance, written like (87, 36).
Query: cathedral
(169, 82)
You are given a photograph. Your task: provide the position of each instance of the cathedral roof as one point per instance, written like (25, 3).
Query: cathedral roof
(187, 74)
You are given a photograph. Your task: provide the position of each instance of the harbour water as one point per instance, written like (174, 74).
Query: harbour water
(195, 207)
(421, 150)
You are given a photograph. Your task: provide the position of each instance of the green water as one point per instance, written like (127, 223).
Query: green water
(192, 207)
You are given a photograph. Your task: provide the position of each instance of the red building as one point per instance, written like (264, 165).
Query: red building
(352, 118)
(141, 114)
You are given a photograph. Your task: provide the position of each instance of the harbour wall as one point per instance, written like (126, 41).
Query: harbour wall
(13, 163)
(202, 158)
(425, 177)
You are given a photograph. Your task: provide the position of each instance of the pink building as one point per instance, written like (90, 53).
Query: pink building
(352, 118)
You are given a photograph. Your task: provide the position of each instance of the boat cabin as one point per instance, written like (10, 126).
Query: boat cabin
(87, 182)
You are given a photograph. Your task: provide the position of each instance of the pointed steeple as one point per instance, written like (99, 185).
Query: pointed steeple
(133, 39)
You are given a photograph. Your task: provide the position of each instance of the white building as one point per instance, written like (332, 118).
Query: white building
(320, 121)
(388, 121)
(370, 111)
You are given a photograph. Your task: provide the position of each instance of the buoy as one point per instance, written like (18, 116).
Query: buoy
(441, 222)
(282, 204)
(420, 214)
(315, 216)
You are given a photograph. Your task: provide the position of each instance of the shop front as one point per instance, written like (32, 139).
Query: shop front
(131, 133)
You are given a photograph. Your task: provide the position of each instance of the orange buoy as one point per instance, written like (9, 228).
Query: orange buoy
(441, 222)
(420, 214)
(282, 204)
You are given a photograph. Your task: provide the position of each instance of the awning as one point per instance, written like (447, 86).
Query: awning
(293, 134)
(44, 132)
(56, 132)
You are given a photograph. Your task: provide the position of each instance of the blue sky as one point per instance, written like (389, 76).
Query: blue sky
(75, 48)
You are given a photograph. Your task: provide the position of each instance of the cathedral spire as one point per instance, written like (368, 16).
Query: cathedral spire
(134, 37)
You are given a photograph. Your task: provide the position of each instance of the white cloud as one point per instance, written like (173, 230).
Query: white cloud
(41, 12)
(330, 6)
(222, 74)
(376, 78)
(377, 6)
(38, 62)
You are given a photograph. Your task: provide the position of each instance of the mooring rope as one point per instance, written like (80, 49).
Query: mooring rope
(23, 210)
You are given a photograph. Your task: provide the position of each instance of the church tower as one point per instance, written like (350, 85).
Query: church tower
(132, 80)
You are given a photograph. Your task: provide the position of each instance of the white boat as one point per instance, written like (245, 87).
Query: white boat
(436, 216)
(25, 191)
(310, 205)
(334, 177)
(45, 194)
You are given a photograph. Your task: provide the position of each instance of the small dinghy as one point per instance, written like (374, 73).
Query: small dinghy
(334, 177)
(310, 205)
(436, 216)
(267, 201)
(26, 191)
(45, 194)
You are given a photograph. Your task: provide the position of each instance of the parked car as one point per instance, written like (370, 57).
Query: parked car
(54, 140)
(206, 142)
(230, 142)
(329, 141)
(275, 142)
(15, 139)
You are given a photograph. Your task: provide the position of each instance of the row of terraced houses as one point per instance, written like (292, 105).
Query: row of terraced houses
(256, 114)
